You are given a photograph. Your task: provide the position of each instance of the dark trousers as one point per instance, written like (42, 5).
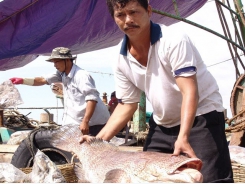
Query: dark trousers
(94, 130)
(208, 140)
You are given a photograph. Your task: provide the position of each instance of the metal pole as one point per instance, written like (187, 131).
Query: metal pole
(239, 9)
(198, 25)
(139, 117)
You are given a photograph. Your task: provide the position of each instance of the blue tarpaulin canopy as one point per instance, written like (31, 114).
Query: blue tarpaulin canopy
(29, 28)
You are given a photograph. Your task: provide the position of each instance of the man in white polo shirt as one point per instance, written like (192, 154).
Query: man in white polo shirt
(187, 106)
(82, 103)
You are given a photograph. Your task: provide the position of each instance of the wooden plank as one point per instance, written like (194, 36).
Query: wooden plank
(8, 148)
(6, 157)
(243, 99)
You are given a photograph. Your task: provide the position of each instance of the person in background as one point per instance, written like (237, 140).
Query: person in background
(112, 103)
(82, 103)
(187, 107)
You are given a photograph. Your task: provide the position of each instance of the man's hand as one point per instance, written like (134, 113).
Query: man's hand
(16, 80)
(86, 138)
(90, 108)
(84, 128)
(183, 146)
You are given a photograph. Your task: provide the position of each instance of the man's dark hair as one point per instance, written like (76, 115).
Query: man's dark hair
(122, 3)
(113, 94)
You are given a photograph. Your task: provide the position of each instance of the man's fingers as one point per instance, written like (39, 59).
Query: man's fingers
(190, 154)
(86, 138)
(176, 153)
(81, 140)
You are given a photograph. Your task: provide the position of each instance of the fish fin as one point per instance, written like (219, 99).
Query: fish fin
(66, 137)
(117, 176)
(101, 144)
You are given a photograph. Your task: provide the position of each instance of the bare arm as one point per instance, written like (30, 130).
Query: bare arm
(90, 107)
(119, 118)
(39, 81)
(189, 90)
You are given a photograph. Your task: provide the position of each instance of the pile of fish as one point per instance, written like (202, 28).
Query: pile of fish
(10, 174)
(43, 171)
(9, 95)
(101, 161)
(18, 136)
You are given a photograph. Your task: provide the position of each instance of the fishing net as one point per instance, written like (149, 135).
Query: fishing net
(9, 95)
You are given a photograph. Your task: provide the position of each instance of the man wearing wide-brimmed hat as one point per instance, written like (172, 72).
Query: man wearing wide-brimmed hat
(82, 103)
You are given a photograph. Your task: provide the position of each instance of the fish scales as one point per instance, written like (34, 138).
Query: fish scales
(104, 162)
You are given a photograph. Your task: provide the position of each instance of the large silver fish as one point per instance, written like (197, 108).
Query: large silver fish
(43, 171)
(105, 162)
(11, 174)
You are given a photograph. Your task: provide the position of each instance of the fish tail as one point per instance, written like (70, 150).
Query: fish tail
(66, 138)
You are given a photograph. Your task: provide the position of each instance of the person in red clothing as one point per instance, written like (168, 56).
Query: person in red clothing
(113, 102)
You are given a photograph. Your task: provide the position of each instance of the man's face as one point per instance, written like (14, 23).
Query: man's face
(59, 64)
(133, 18)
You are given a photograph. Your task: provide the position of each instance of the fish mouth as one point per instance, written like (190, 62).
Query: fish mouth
(193, 165)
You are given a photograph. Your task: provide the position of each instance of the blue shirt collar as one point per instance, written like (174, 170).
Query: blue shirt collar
(156, 34)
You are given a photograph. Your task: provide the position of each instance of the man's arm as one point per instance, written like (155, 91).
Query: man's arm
(37, 81)
(90, 107)
(118, 120)
(189, 90)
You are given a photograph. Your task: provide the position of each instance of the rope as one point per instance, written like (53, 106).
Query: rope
(238, 125)
(29, 141)
(101, 72)
(176, 8)
(236, 128)
(230, 120)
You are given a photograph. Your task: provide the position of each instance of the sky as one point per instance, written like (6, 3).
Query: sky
(213, 49)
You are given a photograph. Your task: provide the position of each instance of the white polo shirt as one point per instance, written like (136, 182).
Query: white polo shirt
(171, 54)
(79, 87)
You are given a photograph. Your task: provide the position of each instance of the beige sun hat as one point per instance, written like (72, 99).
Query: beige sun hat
(61, 53)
